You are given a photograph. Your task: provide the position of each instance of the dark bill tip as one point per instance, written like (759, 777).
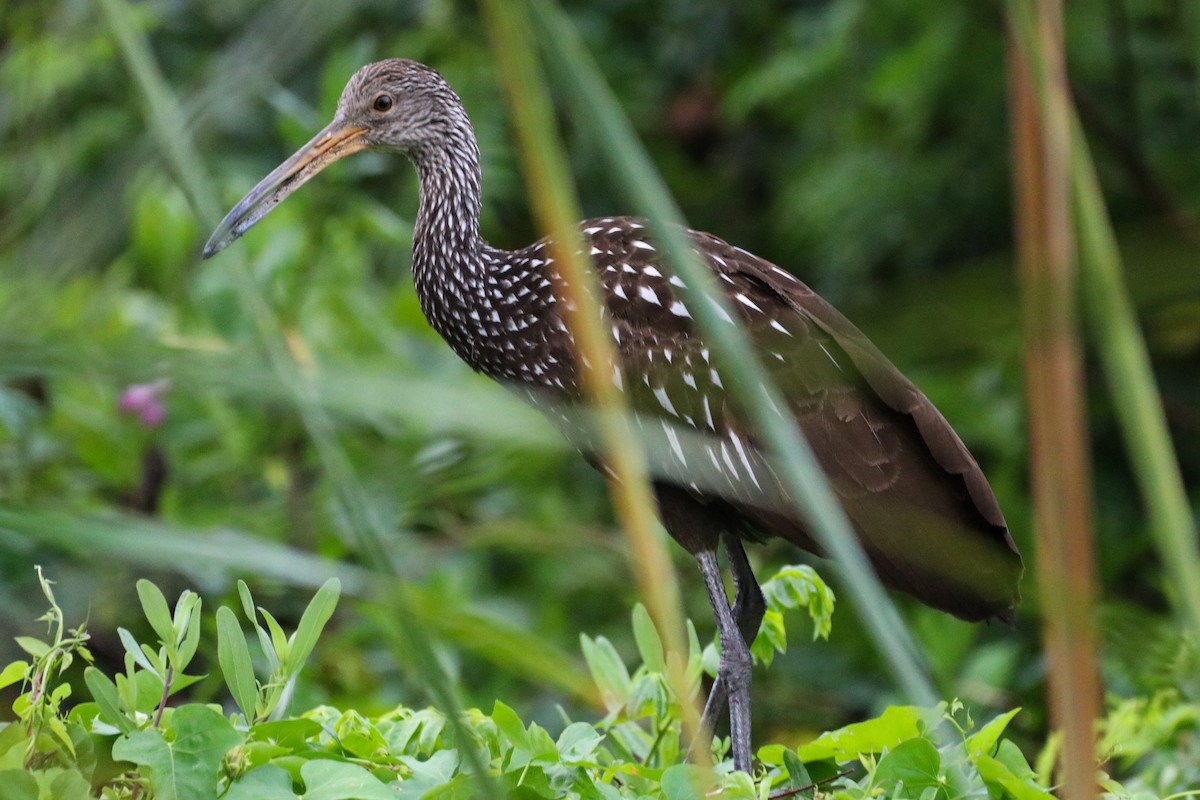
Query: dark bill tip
(336, 141)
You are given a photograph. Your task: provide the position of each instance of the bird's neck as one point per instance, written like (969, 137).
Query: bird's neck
(447, 246)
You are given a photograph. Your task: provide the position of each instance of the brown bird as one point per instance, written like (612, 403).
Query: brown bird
(919, 503)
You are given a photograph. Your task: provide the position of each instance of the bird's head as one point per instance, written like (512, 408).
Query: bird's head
(396, 104)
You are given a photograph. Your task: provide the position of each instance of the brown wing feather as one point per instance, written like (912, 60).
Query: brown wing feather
(918, 500)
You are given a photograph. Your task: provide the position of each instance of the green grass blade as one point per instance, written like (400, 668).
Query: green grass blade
(1131, 384)
(558, 211)
(595, 108)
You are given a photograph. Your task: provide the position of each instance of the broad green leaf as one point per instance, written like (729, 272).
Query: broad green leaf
(541, 746)
(798, 777)
(686, 782)
(1011, 756)
(14, 672)
(608, 670)
(438, 772)
(737, 786)
(262, 783)
(236, 665)
(799, 586)
(35, 647)
(312, 622)
(58, 730)
(154, 606)
(337, 780)
(291, 733)
(998, 776)
(104, 692)
(65, 784)
(510, 725)
(895, 725)
(578, 742)
(12, 735)
(914, 765)
(771, 638)
(984, 740)
(17, 784)
(649, 643)
(188, 766)
(359, 736)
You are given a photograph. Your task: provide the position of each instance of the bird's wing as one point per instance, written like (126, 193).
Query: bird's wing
(918, 499)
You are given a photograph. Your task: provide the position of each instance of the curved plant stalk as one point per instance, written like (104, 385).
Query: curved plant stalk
(595, 108)
(557, 209)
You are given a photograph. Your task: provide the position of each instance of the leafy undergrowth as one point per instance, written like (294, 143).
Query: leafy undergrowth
(128, 742)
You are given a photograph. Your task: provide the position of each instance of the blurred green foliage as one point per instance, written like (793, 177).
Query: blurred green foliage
(862, 145)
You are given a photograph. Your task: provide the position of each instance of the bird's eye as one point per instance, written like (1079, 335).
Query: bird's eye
(382, 102)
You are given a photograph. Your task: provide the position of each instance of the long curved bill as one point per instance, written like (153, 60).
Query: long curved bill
(336, 140)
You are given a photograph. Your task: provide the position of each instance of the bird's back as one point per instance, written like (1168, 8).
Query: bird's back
(918, 500)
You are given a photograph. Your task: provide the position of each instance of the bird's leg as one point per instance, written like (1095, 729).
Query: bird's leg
(733, 672)
(748, 610)
(749, 606)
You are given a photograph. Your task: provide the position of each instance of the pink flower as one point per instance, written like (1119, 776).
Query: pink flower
(145, 400)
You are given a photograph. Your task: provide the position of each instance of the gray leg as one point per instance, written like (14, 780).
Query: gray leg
(748, 609)
(734, 671)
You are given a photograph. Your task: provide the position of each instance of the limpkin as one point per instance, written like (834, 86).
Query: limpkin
(917, 499)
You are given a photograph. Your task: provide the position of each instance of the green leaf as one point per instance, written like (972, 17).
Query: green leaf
(686, 782)
(291, 733)
(799, 586)
(998, 776)
(649, 643)
(914, 765)
(17, 784)
(278, 640)
(578, 742)
(1011, 756)
(312, 622)
(337, 780)
(65, 784)
(188, 617)
(359, 737)
(188, 766)
(134, 649)
(984, 740)
(895, 725)
(541, 747)
(798, 776)
(248, 607)
(35, 647)
(154, 606)
(608, 670)
(234, 657)
(510, 725)
(262, 783)
(14, 672)
(10, 736)
(104, 692)
(438, 772)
